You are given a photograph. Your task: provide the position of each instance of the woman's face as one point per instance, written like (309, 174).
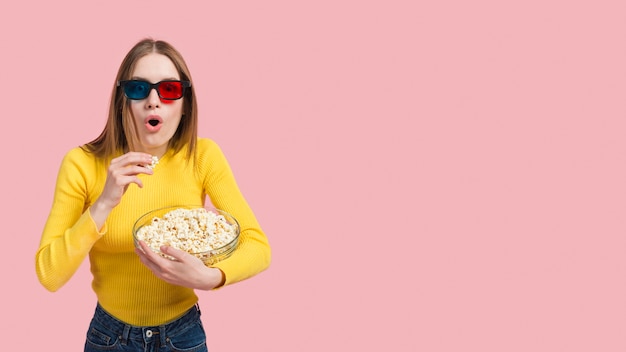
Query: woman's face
(156, 120)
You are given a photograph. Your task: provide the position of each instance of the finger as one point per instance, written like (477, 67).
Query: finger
(142, 256)
(147, 252)
(177, 254)
(141, 251)
(132, 158)
(129, 170)
(124, 181)
(162, 267)
(150, 260)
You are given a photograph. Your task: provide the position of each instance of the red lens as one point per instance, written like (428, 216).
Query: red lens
(170, 90)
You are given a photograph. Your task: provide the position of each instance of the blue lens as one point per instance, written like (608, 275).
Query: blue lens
(137, 89)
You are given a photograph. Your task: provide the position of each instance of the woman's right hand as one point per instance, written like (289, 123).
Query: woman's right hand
(121, 173)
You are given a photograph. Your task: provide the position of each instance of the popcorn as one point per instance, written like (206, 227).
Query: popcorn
(155, 161)
(191, 230)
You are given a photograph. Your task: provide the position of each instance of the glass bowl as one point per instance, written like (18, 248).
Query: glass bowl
(208, 233)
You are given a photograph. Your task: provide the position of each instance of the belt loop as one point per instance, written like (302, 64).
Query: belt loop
(197, 305)
(125, 334)
(162, 335)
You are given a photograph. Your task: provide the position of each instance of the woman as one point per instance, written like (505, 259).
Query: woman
(145, 301)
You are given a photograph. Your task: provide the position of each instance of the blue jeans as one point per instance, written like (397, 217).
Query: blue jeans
(106, 333)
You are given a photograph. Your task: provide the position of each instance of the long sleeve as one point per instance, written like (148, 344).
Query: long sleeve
(70, 232)
(124, 286)
(253, 253)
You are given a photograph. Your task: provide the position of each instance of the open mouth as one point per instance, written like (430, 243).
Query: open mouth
(153, 123)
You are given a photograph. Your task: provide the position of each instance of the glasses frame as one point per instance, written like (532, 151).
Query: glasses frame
(155, 86)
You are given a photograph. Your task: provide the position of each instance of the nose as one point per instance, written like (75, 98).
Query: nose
(153, 100)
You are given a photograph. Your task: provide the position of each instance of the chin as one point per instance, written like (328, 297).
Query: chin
(153, 145)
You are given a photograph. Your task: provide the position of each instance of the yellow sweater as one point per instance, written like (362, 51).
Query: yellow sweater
(123, 285)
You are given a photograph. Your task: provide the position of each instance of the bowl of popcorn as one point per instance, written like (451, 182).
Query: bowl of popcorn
(205, 232)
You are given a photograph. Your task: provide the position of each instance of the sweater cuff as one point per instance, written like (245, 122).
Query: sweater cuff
(101, 232)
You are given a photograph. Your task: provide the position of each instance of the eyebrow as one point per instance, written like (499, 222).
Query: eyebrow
(164, 79)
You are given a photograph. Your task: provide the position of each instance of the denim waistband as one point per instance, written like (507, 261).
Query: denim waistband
(133, 332)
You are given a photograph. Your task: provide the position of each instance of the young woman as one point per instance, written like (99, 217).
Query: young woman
(145, 302)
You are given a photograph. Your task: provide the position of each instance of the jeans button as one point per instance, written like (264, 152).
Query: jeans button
(149, 333)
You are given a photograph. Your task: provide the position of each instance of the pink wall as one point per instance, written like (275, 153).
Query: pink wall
(444, 177)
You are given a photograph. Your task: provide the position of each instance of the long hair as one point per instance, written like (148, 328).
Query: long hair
(119, 134)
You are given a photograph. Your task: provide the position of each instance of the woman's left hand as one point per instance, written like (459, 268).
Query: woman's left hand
(185, 270)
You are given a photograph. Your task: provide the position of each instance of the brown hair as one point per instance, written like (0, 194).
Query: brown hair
(119, 133)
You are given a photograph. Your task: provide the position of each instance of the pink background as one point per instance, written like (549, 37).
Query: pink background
(432, 175)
